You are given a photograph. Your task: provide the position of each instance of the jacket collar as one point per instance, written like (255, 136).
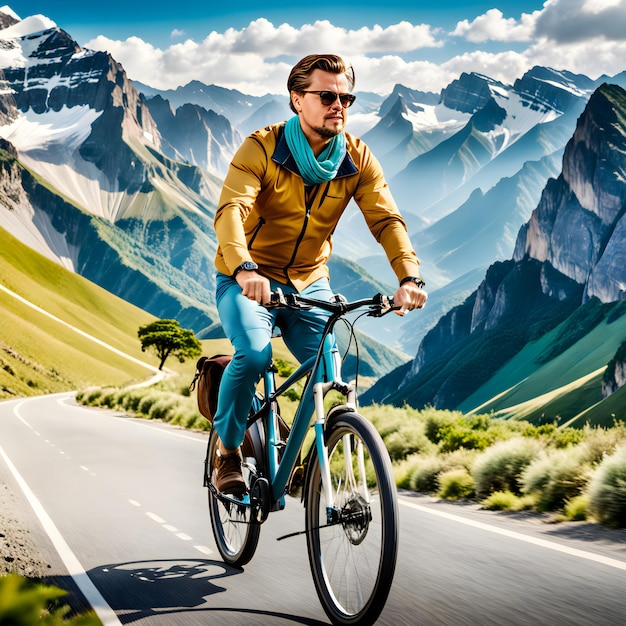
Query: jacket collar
(282, 155)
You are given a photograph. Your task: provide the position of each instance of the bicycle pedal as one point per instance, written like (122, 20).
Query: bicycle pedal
(260, 499)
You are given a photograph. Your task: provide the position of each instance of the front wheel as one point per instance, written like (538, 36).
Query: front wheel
(235, 530)
(353, 548)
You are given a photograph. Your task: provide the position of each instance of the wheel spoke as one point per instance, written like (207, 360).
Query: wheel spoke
(353, 561)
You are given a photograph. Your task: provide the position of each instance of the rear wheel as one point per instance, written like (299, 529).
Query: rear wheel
(235, 528)
(353, 549)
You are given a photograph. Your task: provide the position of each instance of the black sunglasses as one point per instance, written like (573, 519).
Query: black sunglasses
(329, 97)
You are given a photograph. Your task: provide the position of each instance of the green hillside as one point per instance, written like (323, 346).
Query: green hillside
(566, 387)
(39, 354)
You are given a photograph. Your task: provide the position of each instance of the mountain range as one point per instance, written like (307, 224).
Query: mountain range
(549, 320)
(118, 182)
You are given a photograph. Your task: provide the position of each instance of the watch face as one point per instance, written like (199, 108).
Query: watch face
(249, 265)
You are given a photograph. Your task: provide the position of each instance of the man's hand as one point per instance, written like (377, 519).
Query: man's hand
(408, 297)
(254, 286)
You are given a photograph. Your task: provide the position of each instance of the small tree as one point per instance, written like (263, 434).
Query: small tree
(166, 337)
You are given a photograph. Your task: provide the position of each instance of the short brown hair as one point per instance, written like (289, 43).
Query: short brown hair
(300, 75)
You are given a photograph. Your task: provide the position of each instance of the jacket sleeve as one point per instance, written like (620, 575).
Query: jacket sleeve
(239, 192)
(383, 217)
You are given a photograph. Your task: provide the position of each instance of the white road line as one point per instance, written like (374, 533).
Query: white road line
(16, 411)
(184, 536)
(75, 569)
(155, 517)
(134, 503)
(147, 424)
(544, 543)
(204, 549)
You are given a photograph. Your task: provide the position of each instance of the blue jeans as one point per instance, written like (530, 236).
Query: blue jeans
(249, 326)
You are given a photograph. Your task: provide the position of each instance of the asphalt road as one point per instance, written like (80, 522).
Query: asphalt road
(119, 504)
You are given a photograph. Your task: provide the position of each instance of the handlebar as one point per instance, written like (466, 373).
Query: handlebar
(379, 304)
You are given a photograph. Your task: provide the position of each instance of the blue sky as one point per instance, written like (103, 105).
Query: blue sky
(154, 21)
(423, 44)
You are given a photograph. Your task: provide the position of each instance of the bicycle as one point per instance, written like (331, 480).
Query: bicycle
(349, 494)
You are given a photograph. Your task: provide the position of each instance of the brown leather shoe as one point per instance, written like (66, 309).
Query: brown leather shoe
(227, 475)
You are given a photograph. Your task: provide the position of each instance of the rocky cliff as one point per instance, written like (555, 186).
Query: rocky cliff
(615, 374)
(579, 226)
(195, 135)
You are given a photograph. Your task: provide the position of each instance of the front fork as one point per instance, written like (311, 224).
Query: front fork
(319, 392)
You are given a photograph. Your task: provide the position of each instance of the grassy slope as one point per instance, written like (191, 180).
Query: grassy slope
(38, 354)
(564, 388)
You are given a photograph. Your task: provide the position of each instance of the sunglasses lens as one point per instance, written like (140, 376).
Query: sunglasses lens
(329, 97)
(347, 99)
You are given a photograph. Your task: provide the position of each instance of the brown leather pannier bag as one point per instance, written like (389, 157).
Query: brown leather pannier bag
(208, 376)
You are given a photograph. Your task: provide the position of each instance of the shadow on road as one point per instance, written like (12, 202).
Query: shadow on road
(138, 589)
(590, 532)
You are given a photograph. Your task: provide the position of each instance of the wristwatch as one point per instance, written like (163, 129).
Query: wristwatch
(249, 266)
(413, 279)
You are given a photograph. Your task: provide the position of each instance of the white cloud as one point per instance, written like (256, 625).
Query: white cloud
(493, 26)
(582, 36)
(567, 21)
(244, 59)
(177, 33)
(593, 58)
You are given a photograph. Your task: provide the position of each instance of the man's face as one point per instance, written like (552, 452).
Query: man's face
(316, 118)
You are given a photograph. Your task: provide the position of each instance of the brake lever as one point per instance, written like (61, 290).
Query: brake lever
(383, 306)
(277, 298)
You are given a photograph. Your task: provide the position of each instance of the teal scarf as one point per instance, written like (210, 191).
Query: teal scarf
(314, 170)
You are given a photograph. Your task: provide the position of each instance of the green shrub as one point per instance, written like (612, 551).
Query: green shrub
(455, 484)
(461, 458)
(196, 422)
(110, 399)
(25, 603)
(423, 476)
(163, 408)
(555, 478)
(507, 501)
(146, 402)
(436, 423)
(408, 439)
(577, 509)
(93, 396)
(132, 399)
(389, 419)
(599, 443)
(500, 467)
(607, 491)
(453, 430)
(402, 471)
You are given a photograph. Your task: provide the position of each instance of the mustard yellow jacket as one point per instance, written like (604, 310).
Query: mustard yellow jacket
(267, 215)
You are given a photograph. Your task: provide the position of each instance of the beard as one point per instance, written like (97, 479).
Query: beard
(328, 133)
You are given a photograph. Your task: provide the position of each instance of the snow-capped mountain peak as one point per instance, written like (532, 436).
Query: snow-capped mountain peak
(15, 27)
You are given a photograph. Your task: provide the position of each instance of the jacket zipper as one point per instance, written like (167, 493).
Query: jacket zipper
(307, 215)
(255, 232)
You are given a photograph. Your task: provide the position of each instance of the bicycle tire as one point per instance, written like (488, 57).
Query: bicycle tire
(235, 530)
(353, 561)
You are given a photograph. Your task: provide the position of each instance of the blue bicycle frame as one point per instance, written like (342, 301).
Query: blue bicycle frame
(325, 374)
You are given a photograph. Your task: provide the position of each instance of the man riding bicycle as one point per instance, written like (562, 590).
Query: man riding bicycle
(285, 190)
